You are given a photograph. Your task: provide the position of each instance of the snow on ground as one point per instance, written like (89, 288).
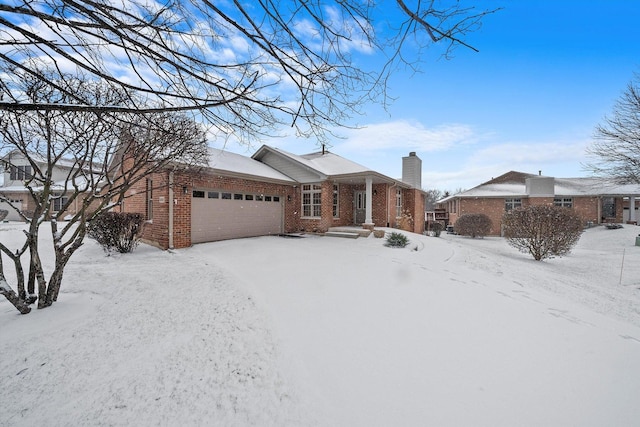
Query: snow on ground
(321, 331)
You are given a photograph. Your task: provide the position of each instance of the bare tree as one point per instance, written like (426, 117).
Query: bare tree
(90, 147)
(245, 67)
(544, 231)
(616, 149)
(432, 198)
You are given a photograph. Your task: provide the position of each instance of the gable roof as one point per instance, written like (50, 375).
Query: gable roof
(329, 164)
(319, 166)
(63, 162)
(510, 177)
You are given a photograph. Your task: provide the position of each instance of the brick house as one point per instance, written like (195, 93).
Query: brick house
(273, 192)
(596, 200)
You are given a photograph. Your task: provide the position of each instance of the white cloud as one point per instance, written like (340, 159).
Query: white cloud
(468, 169)
(410, 136)
(530, 154)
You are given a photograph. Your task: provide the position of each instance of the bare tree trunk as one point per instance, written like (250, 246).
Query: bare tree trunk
(11, 295)
(14, 299)
(31, 280)
(62, 257)
(39, 274)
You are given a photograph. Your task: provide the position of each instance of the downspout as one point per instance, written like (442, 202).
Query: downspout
(171, 202)
(389, 201)
(600, 200)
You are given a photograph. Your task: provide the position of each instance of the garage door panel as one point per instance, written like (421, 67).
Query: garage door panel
(220, 219)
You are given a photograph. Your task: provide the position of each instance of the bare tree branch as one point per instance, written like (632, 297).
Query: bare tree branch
(243, 67)
(616, 147)
(75, 157)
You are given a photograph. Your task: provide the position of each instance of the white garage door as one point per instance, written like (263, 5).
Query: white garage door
(220, 215)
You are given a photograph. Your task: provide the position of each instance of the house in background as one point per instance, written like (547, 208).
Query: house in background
(596, 200)
(18, 171)
(273, 192)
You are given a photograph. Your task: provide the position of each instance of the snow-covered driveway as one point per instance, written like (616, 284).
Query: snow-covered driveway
(444, 332)
(321, 331)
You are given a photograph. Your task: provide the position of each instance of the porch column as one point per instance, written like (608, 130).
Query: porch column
(368, 202)
(632, 208)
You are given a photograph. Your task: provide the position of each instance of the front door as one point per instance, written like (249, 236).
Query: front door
(360, 204)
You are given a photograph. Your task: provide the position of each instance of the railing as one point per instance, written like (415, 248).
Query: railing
(436, 215)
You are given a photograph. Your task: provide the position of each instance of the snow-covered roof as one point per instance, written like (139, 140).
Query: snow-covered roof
(330, 164)
(222, 160)
(567, 187)
(327, 165)
(63, 162)
(80, 181)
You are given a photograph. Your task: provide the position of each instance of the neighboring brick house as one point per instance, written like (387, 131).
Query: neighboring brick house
(596, 200)
(14, 194)
(272, 192)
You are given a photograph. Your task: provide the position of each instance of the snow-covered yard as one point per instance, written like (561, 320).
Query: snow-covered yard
(321, 331)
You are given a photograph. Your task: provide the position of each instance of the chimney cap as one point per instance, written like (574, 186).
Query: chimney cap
(412, 153)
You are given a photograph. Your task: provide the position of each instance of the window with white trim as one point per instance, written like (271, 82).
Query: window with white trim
(398, 203)
(336, 201)
(59, 202)
(311, 200)
(20, 173)
(512, 204)
(564, 202)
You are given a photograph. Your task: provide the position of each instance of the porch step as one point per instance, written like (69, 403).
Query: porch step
(342, 234)
(362, 232)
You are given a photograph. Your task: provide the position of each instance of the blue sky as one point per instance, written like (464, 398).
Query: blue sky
(546, 74)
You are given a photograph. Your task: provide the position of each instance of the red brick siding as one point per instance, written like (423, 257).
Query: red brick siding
(345, 206)
(390, 216)
(493, 208)
(157, 231)
(586, 207)
(379, 205)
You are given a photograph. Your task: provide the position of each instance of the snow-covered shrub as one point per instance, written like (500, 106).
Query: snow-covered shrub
(474, 225)
(544, 231)
(397, 240)
(118, 231)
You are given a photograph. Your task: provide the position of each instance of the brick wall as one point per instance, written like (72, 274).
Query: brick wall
(157, 230)
(379, 204)
(586, 207)
(345, 206)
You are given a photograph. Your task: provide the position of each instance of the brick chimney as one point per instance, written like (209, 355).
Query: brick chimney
(412, 170)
